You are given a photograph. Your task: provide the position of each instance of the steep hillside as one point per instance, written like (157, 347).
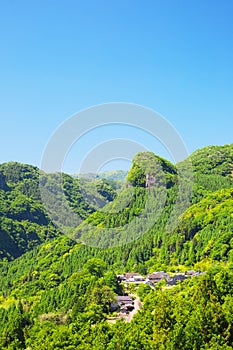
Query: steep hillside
(148, 168)
(58, 293)
(212, 170)
(56, 303)
(24, 222)
(135, 210)
(205, 231)
(214, 160)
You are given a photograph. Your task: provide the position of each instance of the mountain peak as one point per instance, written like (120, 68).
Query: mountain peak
(146, 166)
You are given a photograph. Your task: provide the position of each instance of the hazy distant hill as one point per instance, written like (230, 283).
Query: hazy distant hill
(113, 175)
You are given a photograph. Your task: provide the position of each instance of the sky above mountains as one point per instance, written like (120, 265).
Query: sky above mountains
(59, 57)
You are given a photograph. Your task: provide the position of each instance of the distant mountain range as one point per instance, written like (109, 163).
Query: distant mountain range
(25, 223)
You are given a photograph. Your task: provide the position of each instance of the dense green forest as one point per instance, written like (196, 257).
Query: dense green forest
(56, 290)
(24, 222)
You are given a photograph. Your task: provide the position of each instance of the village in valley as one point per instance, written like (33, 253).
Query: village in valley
(127, 305)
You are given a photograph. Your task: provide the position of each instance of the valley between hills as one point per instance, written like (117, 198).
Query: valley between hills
(59, 284)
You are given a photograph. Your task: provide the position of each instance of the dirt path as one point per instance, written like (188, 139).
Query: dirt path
(137, 306)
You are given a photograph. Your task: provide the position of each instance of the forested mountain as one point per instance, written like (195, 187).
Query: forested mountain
(56, 292)
(24, 222)
(213, 160)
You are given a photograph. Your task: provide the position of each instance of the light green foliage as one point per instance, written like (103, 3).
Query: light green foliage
(56, 294)
(213, 160)
(24, 222)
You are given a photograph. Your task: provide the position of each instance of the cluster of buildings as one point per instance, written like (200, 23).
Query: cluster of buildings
(125, 303)
(156, 277)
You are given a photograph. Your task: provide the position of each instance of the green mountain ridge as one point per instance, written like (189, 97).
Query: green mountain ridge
(24, 214)
(56, 292)
(24, 222)
(217, 160)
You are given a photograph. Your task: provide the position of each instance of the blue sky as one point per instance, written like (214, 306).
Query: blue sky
(58, 57)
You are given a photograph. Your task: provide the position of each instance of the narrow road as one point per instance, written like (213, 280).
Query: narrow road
(137, 306)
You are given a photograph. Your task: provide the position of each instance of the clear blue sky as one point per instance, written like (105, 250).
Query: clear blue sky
(58, 57)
